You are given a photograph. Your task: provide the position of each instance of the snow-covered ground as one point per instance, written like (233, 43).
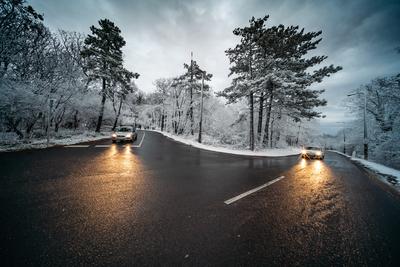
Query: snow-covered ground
(10, 143)
(274, 152)
(388, 175)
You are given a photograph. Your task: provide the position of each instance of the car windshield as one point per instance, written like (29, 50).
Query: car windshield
(313, 148)
(124, 129)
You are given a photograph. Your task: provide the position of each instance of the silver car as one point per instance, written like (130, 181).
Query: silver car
(312, 152)
(124, 133)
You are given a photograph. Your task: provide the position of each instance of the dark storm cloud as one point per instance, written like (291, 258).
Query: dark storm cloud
(359, 35)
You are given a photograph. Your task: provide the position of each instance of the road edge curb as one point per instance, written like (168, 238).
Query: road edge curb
(222, 152)
(373, 176)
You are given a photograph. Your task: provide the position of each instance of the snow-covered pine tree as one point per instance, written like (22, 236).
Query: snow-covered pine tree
(193, 75)
(283, 69)
(242, 60)
(103, 59)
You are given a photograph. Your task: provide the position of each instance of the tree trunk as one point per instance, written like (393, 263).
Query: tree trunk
(13, 125)
(103, 101)
(298, 134)
(251, 100)
(174, 122)
(260, 116)
(191, 98)
(180, 128)
(30, 125)
(272, 132)
(118, 113)
(162, 121)
(268, 113)
(191, 110)
(76, 119)
(58, 120)
(29, 128)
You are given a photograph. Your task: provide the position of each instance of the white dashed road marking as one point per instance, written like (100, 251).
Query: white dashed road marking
(141, 141)
(231, 200)
(107, 145)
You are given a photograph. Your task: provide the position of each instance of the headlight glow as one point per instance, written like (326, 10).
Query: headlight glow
(114, 135)
(318, 153)
(303, 151)
(129, 135)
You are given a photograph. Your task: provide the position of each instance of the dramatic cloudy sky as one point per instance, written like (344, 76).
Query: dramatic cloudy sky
(361, 36)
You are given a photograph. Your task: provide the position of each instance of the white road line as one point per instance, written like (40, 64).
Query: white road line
(141, 141)
(77, 146)
(102, 145)
(231, 200)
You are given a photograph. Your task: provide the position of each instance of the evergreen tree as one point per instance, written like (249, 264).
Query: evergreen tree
(103, 59)
(193, 76)
(271, 62)
(285, 73)
(242, 59)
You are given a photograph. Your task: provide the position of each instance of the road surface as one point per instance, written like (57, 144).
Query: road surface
(159, 202)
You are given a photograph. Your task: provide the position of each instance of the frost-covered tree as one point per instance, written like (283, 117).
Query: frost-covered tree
(21, 29)
(29, 73)
(273, 63)
(193, 77)
(103, 59)
(124, 86)
(383, 118)
(38, 66)
(242, 59)
(163, 87)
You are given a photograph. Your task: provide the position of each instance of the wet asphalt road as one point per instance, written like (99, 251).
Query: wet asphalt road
(163, 204)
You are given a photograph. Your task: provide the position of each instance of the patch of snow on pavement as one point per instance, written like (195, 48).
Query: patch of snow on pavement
(274, 152)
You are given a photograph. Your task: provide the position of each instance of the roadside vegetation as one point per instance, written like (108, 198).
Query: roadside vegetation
(59, 82)
(269, 104)
(380, 99)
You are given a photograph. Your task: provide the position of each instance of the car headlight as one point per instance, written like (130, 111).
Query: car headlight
(303, 151)
(114, 135)
(129, 135)
(318, 153)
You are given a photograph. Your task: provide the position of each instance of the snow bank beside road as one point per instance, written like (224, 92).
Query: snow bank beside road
(62, 139)
(388, 175)
(274, 152)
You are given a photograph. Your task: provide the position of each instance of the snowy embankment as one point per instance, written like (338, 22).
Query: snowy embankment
(11, 143)
(274, 152)
(388, 175)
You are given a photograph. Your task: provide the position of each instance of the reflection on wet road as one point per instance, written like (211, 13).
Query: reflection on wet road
(324, 213)
(163, 204)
